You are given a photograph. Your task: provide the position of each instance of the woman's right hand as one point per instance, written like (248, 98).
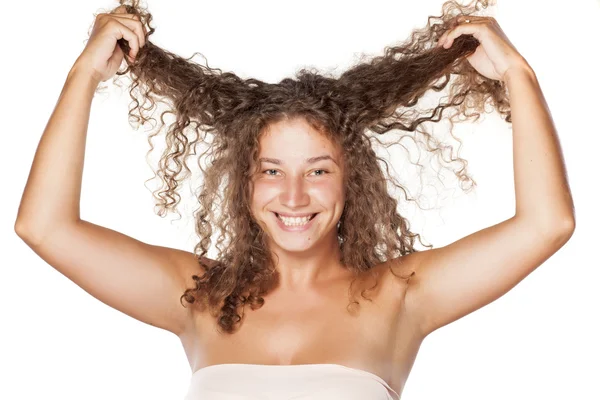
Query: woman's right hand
(102, 56)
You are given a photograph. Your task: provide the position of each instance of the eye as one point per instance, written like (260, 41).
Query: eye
(266, 170)
(322, 170)
(274, 171)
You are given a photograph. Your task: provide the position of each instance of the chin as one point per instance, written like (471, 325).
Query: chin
(293, 242)
(295, 247)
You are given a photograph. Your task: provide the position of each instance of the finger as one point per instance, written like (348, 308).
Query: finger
(457, 21)
(124, 32)
(117, 56)
(132, 21)
(462, 19)
(119, 10)
(464, 29)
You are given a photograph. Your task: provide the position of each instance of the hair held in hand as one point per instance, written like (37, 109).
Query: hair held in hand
(225, 115)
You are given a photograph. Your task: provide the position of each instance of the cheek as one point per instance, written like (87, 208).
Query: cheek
(327, 192)
(263, 193)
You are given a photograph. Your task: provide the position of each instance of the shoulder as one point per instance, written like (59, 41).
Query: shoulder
(400, 275)
(189, 264)
(396, 275)
(402, 269)
(390, 279)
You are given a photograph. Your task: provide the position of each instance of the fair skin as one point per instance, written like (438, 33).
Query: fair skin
(146, 281)
(286, 183)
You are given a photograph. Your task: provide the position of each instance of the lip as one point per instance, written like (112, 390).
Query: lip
(294, 216)
(294, 228)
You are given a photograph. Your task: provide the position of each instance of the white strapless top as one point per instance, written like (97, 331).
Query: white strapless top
(287, 382)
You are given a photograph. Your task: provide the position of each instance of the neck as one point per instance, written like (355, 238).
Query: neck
(310, 269)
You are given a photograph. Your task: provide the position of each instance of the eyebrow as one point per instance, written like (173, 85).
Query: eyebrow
(310, 160)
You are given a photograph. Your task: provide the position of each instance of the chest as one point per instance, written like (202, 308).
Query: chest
(308, 329)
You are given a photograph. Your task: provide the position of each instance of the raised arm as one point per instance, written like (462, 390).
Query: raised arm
(141, 280)
(453, 281)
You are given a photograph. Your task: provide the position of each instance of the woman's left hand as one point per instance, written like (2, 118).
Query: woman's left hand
(495, 55)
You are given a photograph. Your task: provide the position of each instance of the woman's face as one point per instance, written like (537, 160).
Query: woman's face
(300, 174)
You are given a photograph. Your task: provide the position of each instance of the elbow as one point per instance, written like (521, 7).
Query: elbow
(568, 223)
(26, 234)
(562, 232)
(20, 229)
(569, 226)
(551, 226)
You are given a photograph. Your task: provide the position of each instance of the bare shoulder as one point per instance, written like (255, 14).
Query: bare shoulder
(189, 262)
(394, 276)
(400, 274)
(189, 265)
(402, 269)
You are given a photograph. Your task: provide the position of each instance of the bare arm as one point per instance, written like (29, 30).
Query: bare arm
(453, 281)
(141, 280)
(53, 189)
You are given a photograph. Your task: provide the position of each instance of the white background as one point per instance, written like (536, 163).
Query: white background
(539, 341)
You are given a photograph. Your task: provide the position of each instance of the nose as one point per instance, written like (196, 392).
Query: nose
(294, 193)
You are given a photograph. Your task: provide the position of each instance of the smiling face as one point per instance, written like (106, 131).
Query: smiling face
(300, 175)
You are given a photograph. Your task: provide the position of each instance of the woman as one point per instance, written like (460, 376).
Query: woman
(302, 206)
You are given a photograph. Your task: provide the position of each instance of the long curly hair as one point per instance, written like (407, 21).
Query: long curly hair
(226, 115)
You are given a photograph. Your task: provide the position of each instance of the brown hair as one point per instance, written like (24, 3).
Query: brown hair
(228, 114)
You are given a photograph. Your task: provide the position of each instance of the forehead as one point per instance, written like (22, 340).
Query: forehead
(289, 139)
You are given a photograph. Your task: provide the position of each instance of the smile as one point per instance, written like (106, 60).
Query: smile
(294, 224)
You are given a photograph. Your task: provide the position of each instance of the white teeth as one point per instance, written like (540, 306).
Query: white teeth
(294, 221)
